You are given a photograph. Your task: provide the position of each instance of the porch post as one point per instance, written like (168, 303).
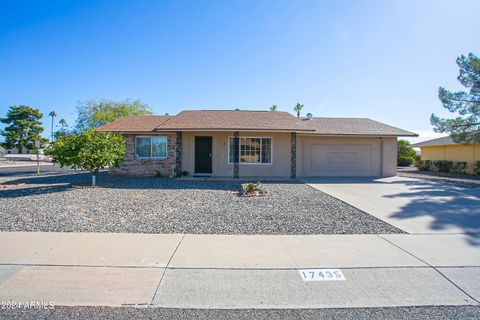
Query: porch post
(236, 156)
(178, 154)
(293, 155)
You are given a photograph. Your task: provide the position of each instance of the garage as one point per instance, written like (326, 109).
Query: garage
(352, 156)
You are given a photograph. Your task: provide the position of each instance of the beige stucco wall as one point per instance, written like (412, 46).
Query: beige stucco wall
(280, 166)
(457, 152)
(378, 156)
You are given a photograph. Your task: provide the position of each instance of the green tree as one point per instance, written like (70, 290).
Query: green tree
(466, 127)
(298, 107)
(405, 150)
(23, 128)
(93, 114)
(89, 150)
(52, 114)
(273, 108)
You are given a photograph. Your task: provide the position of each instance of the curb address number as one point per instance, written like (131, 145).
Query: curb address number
(322, 275)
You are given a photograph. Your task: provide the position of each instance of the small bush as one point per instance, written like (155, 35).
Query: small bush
(459, 167)
(425, 165)
(184, 173)
(417, 161)
(158, 174)
(477, 167)
(443, 165)
(252, 189)
(404, 162)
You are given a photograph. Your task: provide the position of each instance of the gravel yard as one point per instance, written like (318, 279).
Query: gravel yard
(159, 205)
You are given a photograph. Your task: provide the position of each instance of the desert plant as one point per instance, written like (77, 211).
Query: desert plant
(404, 162)
(252, 189)
(425, 165)
(443, 165)
(459, 167)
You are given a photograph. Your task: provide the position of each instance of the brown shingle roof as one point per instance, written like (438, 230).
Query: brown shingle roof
(237, 120)
(353, 126)
(135, 124)
(436, 142)
(232, 120)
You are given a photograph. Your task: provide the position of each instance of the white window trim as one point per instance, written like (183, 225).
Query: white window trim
(261, 148)
(150, 158)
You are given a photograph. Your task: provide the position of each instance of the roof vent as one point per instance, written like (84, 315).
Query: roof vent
(309, 116)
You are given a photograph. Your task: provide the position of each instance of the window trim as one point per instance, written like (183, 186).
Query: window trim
(261, 148)
(150, 158)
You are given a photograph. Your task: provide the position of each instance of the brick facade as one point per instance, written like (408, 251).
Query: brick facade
(132, 166)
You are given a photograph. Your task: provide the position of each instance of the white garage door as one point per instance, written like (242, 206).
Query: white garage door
(341, 157)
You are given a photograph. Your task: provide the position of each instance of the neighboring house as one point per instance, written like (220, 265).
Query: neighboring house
(256, 144)
(446, 149)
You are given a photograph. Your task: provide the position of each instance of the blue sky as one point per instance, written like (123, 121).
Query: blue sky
(379, 59)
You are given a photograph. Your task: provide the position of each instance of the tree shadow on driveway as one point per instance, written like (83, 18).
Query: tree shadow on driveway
(449, 206)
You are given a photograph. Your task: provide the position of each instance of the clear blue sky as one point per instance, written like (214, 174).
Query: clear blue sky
(379, 59)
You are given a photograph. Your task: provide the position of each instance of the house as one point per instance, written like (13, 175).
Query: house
(446, 149)
(235, 143)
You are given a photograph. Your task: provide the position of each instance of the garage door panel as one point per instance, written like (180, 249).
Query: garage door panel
(334, 157)
(341, 157)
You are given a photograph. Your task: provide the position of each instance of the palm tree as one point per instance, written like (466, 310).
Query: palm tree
(64, 124)
(298, 108)
(52, 114)
(273, 108)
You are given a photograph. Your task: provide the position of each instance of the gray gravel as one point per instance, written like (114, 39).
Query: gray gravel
(423, 313)
(159, 205)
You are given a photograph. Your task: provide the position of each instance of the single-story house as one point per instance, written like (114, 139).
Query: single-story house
(446, 149)
(237, 143)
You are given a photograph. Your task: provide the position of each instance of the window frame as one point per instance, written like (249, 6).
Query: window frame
(151, 148)
(261, 149)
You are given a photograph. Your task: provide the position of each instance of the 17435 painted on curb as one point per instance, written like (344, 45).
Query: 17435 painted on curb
(322, 275)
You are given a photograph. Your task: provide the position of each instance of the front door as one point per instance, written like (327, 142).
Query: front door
(203, 155)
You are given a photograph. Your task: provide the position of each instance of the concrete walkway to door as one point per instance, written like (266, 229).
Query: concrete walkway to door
(413, 205)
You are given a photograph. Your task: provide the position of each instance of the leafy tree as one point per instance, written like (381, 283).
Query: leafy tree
(298, 107)
(93, 114)
(405, 150)
(466, 127)
(52, 114)
(89, 150)
(24, 127)
(273, 108)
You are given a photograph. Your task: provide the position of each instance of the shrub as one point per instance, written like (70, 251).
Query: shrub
(459, 167)
(425, 165)
(417, 161)
(443, 165)
(404, 162)
(477, 167)
(184, 173)
(158, 174)
(252, 189)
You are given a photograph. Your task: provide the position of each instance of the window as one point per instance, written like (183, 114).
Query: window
(150, 147)
(251, 150)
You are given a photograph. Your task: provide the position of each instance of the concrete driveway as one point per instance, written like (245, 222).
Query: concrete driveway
(413, 205)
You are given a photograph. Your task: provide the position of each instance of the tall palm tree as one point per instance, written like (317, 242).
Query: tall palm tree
(52, 114)
(64, 124)
(273, 108)
(298, 108)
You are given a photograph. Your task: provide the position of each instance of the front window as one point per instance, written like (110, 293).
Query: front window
(151, 147)
(251, 150)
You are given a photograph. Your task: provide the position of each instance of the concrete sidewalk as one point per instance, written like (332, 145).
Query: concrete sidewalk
(218, 271)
